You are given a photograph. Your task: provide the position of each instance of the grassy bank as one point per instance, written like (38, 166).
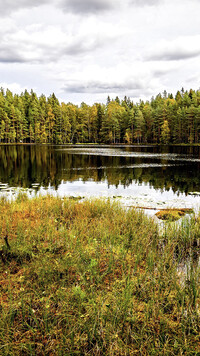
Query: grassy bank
(93, 279)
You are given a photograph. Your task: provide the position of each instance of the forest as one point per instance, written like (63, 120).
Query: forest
(165, 119)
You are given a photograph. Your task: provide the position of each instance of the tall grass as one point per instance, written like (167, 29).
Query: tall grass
(90, 278)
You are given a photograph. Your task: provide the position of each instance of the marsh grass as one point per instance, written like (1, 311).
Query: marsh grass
(91, 278)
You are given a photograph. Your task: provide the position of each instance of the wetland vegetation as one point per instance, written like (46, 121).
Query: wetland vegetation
(92, 278)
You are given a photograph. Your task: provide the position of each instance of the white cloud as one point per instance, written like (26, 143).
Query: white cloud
(14, 87)
(36, 44)
(87, 49)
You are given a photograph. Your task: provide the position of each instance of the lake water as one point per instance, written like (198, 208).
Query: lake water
(145, 176)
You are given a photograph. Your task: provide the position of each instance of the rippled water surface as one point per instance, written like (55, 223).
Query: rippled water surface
(142, 175)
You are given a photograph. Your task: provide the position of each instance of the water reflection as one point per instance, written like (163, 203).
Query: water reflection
(174, 169)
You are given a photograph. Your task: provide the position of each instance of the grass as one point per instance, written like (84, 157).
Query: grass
(91, 278)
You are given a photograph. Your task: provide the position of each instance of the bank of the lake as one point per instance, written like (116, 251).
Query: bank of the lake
(92, 278)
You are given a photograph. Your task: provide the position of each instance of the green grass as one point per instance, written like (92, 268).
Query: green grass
(91, 278)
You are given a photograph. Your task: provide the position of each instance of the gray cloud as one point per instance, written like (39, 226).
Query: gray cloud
(74, 48)
(41, 53)
(10, 54)
(83, 45)
(101, 87)
(145, 2)
(161, 72)
(8, 6)
(174, 55)
(97, 6)
(11, 57)
(86, 6)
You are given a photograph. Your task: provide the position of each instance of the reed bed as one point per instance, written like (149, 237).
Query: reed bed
(91, 278)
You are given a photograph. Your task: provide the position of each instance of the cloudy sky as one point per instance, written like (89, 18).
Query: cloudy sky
(85, 50)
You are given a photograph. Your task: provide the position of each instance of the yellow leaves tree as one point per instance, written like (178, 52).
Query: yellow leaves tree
(165, 132)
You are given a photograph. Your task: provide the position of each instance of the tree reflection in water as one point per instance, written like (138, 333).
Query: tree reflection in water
(162, 168)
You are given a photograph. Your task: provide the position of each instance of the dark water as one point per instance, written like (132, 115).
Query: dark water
(160, 172)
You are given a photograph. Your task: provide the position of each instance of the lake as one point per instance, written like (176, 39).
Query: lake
(146, 176)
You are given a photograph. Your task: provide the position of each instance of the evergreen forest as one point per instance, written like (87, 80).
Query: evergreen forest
(165, 119)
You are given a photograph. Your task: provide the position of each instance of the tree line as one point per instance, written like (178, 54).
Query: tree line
(165, 119)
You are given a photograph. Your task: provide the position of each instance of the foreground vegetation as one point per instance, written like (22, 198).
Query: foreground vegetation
(91, 278)
(164, 119)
